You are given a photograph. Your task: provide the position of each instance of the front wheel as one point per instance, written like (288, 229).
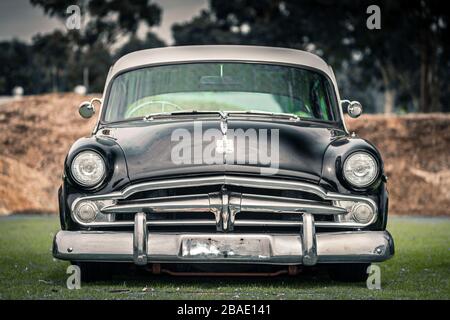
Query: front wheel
(94, 271)
(349, 272)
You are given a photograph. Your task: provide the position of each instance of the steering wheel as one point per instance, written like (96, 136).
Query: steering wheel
(162, 103)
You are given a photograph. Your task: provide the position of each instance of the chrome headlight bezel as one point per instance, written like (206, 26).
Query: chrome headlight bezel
(76, 174)
(86, 204)
(371, 160)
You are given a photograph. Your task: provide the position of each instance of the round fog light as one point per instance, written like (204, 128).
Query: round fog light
(86, 211)
(362, 213)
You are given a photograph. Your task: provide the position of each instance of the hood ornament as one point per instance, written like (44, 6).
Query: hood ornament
(224, 126)
(224, 145)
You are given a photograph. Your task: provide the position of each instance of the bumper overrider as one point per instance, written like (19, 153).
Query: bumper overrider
(142, 246)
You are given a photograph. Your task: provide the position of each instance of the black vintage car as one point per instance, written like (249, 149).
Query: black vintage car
(223, 160)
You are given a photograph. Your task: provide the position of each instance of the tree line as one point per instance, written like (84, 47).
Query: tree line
(401, 66)
(58, 61)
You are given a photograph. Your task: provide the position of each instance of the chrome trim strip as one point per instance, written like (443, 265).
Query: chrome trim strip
(255, 182)
(271, 204)
(184, 222)
(267, 223)
(238, 223)
(191, 203)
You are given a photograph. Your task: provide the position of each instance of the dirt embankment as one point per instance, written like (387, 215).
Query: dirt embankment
(416, 153)
(36, 133)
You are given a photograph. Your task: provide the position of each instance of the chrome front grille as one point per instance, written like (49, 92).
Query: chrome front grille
(224, 206)
(223, 202)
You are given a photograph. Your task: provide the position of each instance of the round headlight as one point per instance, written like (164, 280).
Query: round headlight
(360, 169)
(88, 168)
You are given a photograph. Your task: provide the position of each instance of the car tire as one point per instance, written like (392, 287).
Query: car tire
(95, 271)
(349, 272)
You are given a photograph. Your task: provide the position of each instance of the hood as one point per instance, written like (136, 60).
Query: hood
(186, 147)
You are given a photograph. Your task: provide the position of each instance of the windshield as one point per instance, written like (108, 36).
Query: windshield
(220, 87)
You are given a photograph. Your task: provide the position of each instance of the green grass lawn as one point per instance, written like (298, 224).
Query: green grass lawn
(419, 270)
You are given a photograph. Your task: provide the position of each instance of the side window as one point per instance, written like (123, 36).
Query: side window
(331, 101)
(317, 100)
(320, 99)
(116, 101)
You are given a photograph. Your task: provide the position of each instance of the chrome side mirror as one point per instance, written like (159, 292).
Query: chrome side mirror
(87, 109)
(354, 108)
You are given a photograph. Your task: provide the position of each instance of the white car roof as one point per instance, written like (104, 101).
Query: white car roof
(185, 54)
(182, 54)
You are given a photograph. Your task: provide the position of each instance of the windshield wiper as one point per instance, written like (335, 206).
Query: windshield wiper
(222, 114)
(152, 116)
(289, 116)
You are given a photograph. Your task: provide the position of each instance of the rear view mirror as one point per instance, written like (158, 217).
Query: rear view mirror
(87, 109)
(354, 108)
(219, 80)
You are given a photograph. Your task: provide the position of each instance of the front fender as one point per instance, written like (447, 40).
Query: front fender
(332, 176)
(116, 179)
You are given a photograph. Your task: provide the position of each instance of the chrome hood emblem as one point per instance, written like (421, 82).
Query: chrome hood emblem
(225, 145)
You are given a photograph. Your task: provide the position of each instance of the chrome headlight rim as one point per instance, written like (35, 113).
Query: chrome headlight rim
(375, 176)
(82, 184)
(87, 203)
(352, 216)
(357, 218)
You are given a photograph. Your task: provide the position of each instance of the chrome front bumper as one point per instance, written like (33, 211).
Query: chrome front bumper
(143, 247)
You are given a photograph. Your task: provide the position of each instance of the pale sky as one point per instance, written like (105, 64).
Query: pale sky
(19, 19)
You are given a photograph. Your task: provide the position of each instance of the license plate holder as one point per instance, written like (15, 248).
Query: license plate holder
(225, 248)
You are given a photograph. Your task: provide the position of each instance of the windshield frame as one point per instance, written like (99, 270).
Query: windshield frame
(337, 119)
